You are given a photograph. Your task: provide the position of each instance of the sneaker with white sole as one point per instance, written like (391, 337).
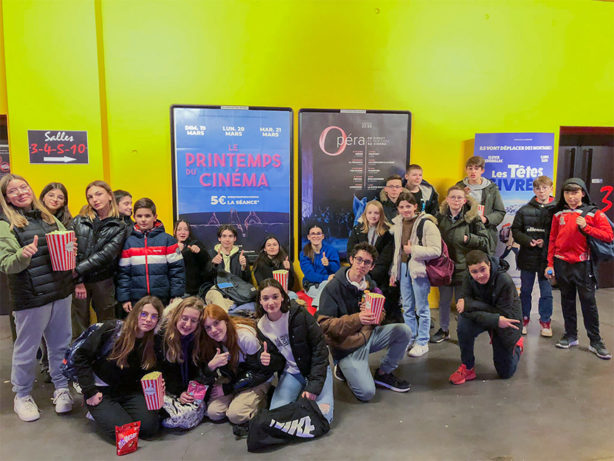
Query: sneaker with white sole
(418, 350)
(525, 323)
(567, 341)
(390, 381)
(546, 329)
(599, 349)
(62, 400)
(26, 408)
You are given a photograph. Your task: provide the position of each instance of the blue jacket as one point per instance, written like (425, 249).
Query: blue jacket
(314, 271)
(150, 264)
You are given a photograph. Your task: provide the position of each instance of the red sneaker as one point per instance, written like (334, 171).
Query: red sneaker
(520, 344)
(462, 374)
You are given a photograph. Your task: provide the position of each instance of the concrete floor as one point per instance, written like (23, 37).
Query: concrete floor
(558, 406)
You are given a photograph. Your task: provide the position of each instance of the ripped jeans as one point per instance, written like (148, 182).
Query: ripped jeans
(291, 386)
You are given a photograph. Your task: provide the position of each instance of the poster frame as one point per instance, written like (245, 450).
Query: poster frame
(247, 108)
(299, 211)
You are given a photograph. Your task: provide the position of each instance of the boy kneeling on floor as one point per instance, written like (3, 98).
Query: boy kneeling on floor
(490, 303)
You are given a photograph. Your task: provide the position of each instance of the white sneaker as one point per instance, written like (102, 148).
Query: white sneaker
(418, 350)
(26, 408)
(77, 388)
(62, 400)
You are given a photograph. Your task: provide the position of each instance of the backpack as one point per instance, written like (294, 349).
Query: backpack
(68, 364)
(600, 251)
(441, 269)
(235, 288)
(294, 422)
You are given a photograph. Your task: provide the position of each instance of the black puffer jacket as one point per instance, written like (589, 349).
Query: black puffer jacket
(308, 347)
(89, 364)
(485, 303)
(385, 252)
(36, 284)
(100, 243)
(532, 222)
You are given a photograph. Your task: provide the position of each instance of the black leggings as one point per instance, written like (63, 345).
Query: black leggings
(117, 410)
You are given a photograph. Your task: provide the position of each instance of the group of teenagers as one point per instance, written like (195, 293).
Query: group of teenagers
(153, 281)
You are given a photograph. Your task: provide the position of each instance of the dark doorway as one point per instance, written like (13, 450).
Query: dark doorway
(588, 153)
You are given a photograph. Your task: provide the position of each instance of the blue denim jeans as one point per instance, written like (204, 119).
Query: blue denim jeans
(315, 293)
(291, 386)
(505, 360)
(527, 278)
(415, 298)
(355, 366)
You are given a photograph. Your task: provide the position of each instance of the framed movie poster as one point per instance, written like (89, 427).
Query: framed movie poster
(345, 157)
(232, 165)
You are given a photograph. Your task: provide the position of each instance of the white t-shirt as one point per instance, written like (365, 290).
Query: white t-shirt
(278, 333)
(248, 342)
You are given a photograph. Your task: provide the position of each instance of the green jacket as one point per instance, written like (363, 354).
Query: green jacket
(494, 210)
(453, 233)
(32, 282)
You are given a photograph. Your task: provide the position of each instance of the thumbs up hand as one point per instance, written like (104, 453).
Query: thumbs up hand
(287, 264)
(407, 248)
(30, 250)
(217, 259)
(242, 260)
(194, 249)
(265, 357)
(219, 360)
(324, 259)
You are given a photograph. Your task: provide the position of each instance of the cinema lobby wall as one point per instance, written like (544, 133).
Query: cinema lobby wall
(113, 68)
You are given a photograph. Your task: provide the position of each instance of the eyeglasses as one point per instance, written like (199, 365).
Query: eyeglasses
(394, 187)
(18, 190)
(146, 315)
(363, 262)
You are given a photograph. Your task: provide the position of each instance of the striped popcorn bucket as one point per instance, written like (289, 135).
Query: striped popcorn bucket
(61, 250)
(282, 277)
(375, 303)
(152, 388)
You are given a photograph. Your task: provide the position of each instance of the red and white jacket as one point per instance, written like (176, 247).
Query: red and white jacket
(568, 243)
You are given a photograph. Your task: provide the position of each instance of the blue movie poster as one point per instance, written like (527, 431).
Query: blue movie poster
(233, 166)
(513, 161)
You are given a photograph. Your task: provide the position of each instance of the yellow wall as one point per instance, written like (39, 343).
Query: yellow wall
(52, 84)
(461, 67)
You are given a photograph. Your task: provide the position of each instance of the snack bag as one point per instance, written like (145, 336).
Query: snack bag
(375, 303)
(282, 277)
(481, 210)
(197, 390)
(127, 438)
(152, 388)
(61, 250)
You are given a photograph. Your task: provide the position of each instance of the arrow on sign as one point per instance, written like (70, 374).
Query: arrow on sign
(59, 159)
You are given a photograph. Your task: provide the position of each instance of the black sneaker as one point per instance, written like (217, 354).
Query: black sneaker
(440, 336)
(338, 374)
(599, 349)
(240, 430)
(390, 381)
(567, 341)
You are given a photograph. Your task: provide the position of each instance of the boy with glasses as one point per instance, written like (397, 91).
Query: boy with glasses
(389, 195)
(352, 332)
